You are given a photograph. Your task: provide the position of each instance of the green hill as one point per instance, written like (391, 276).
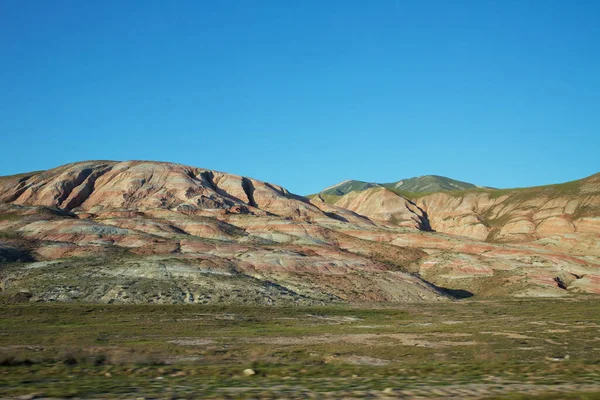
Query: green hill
(426, 183)
(429, 183)
(346, 187)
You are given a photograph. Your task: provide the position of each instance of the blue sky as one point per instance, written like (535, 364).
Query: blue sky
(306, 93)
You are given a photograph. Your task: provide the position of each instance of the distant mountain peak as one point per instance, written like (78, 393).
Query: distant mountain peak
(423, 183)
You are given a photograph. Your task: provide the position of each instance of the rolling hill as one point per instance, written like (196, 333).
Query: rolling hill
(144, 231)
(420, 184)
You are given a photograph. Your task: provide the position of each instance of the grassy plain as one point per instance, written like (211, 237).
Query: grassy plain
(512, 349)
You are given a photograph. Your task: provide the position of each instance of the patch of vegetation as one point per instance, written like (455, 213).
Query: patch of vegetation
(588, 210)
(10, 235)
(525, 347)
(9, 217)
(330, 198)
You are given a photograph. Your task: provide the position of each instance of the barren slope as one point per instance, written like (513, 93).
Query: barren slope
(146, 231)
(158, 232)
(565, 216)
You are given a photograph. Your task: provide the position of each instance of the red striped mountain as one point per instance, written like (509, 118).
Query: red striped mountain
(140, 231)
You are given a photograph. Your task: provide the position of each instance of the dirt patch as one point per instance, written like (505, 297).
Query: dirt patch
(192, 342)
(510, 335)
(370, 339)
(538, 323)
(183, 360)
(449, 334)
(371, 326)
(336, 319)
(364, 360)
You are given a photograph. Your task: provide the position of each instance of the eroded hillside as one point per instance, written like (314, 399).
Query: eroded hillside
(565, 216)
(136, 231)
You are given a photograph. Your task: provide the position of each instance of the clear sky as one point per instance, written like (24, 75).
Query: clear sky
(306, 93)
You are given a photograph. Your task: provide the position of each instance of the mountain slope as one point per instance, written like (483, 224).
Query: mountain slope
(385, 205)
(427, 183)
(553, 215)
(549, 214)
(346, 187)
(147, 231)
(94, 186)
(141, 231)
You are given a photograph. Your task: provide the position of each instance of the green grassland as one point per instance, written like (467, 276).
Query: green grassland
(469, 349)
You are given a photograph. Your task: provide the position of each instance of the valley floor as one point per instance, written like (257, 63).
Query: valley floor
(504, 348)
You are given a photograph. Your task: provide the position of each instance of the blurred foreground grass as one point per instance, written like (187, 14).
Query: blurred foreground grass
(510, 349)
